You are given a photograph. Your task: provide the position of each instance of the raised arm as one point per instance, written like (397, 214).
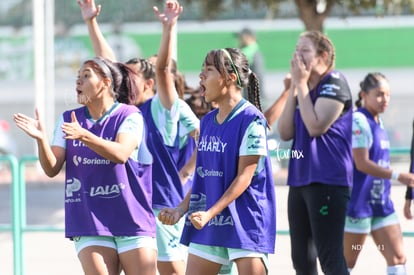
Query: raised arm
(286, 124)
(165, 79)
(89, 14)
(317, 117)
(275, 110)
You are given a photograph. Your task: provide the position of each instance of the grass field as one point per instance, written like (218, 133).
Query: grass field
(355, 48)
(359, 42)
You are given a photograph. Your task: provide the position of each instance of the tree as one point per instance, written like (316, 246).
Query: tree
(313, 12)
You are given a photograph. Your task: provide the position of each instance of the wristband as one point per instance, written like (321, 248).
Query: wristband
(394, 175)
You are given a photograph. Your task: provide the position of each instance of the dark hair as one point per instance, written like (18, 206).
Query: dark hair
(371, 81)
(128, 89)
(123, 86)
(179, 78)
(322, 44)
(232, 60)
(107, 69)
(145, 67)
(197, 102)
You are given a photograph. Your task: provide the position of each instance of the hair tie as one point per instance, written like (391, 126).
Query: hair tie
(233, 66)
(105, 69)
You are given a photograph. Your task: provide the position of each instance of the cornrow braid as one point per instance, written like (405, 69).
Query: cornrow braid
(253, 91)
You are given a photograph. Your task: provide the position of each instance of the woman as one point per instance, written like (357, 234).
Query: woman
(172, 127)
(233, 177)
(370, 210)
(318, 118)
(108, 194)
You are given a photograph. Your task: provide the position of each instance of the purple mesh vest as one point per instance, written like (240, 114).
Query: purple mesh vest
(168, 191)
(250, 221)
(370, 195)
(101, 197)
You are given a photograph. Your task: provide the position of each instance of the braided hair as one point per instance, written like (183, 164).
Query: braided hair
(232, 60)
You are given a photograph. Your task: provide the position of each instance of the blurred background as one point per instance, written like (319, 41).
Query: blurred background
(43, 43)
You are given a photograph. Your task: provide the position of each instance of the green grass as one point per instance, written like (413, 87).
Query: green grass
(355, 48)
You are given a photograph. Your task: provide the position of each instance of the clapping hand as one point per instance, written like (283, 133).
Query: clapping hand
(32, 126)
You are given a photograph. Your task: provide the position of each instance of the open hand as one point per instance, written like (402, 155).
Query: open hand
(171, 12)
(299, 70)
(88, 9)
(32, 126)
(73, 129)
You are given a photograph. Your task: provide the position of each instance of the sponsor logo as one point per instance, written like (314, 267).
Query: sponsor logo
(77, 160)
(384, 163)
(77, 143)
(208, 173)
(385, 144)
(330, 89)
(107, 191)
(211, 144)
(221, 220)
(72, 185)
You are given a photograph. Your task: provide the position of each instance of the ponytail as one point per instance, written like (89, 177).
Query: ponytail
(253, 91)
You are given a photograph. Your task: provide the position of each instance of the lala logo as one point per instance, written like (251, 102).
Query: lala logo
(107, 191)
(77, 160)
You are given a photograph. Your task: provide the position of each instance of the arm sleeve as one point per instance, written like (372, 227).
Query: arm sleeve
(361, 131)
(336, 87)
(254, 140)
(188, 120)
(58, 135)
(133, 125)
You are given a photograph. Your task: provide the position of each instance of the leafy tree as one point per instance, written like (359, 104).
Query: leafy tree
(313, 12)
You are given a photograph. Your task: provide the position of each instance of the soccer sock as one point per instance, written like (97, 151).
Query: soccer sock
(396, 270)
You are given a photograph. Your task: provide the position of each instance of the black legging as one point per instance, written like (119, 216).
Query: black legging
(316, 219)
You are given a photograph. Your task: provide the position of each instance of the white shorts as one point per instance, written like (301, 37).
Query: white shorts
(120, 244)
(225, 256)
(369, 224)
